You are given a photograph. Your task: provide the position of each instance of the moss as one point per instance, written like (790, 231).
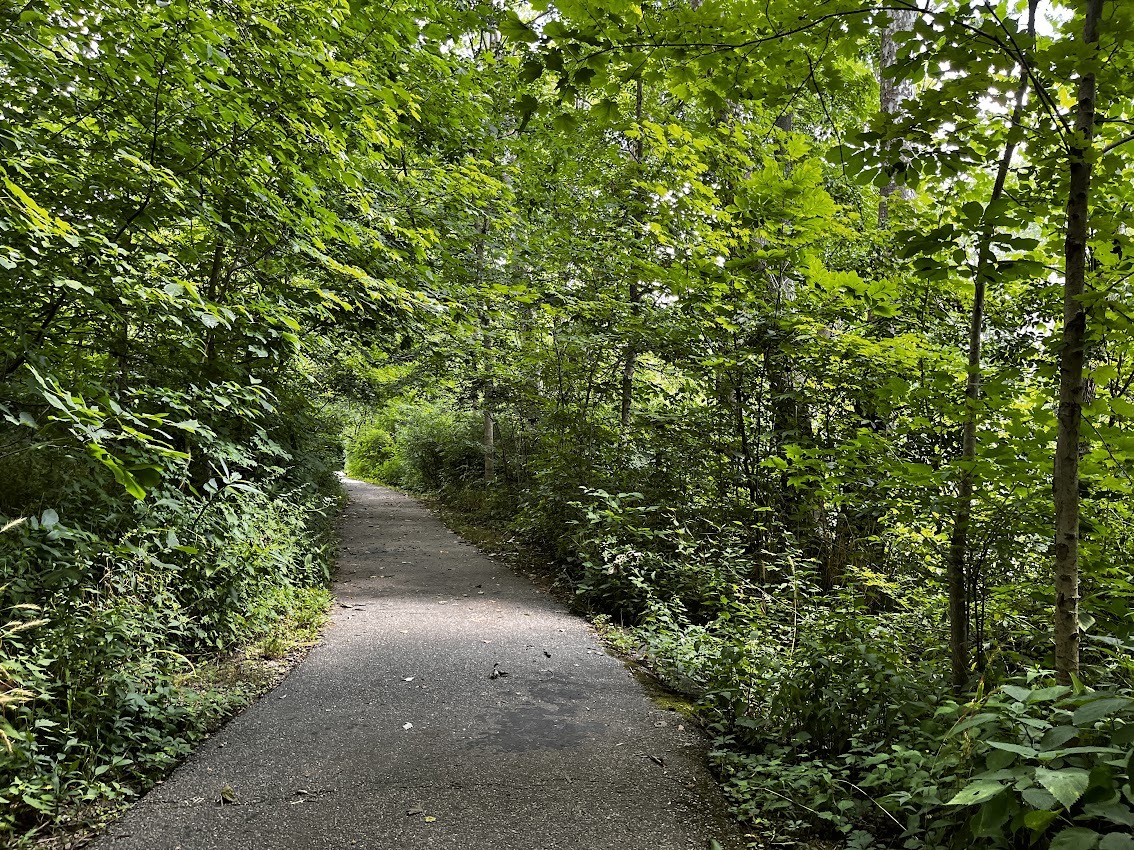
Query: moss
(662, 695)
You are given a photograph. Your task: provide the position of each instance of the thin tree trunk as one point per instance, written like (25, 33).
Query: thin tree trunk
(630, 361)
(1065, 480)
(740, 412)
(891, 93)
(489, 445)
(959, 597)
(790, 414)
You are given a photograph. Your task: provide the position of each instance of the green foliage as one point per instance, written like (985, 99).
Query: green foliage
(636, 562)
(433, 448)
(713, 299)
(368, 453)
(1057, 767)
(99, 697)
(186, 210)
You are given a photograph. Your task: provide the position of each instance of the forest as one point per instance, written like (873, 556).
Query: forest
(796, 337)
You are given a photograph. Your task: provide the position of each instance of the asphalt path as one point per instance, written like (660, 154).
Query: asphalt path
(452, 705)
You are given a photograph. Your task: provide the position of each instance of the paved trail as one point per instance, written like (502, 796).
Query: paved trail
(391, 735)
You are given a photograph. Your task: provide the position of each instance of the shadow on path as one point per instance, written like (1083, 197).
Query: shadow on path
(392, 733)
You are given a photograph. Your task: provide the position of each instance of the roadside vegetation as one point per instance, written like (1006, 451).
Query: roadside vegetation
(797, 335)
(771, 351)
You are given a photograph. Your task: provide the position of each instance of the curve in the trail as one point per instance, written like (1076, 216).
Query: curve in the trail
(395, 733)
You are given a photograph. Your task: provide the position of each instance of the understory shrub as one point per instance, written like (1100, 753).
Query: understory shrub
(828, 695)
(368, 451)
(1051, 763)
(419, 447)
(103, 635)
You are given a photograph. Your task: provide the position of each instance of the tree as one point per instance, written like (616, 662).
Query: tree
(1065, 481)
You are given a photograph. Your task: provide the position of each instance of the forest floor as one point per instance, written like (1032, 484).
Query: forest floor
(452, 704)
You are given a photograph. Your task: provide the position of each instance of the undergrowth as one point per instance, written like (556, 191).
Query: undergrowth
(119, 655)
(830, 703)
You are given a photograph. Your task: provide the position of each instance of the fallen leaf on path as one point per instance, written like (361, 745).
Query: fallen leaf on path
(497, 672)
(430, 818)
(227, 796)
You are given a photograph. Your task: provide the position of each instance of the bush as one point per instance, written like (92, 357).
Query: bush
(369, 454)
(1057, 767)
(96, 690)
(828, 693)
(433, 448)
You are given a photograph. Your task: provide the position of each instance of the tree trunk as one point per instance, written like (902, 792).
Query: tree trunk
(790, 414)
(1065, 479)
(629, 364)
(630, 358)
(486, 346)
(489, 445)
(959, 597)
(891, 93)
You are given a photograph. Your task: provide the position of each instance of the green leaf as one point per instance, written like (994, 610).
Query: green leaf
(1075, 838)
(565, 122)
(1117, 841)
(147, 475)
(1096, 710)
(1027, 752)
(1038, 798)
(531, 71)
(527, 104)
(1067, 785)
(1122, 407)
(1058, 736)
(514, 29)
(1048, 694)
(1039, 821)
(964, 725)
(606, 111)
(1114, 812)
(1016, 692)
(977, 792)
